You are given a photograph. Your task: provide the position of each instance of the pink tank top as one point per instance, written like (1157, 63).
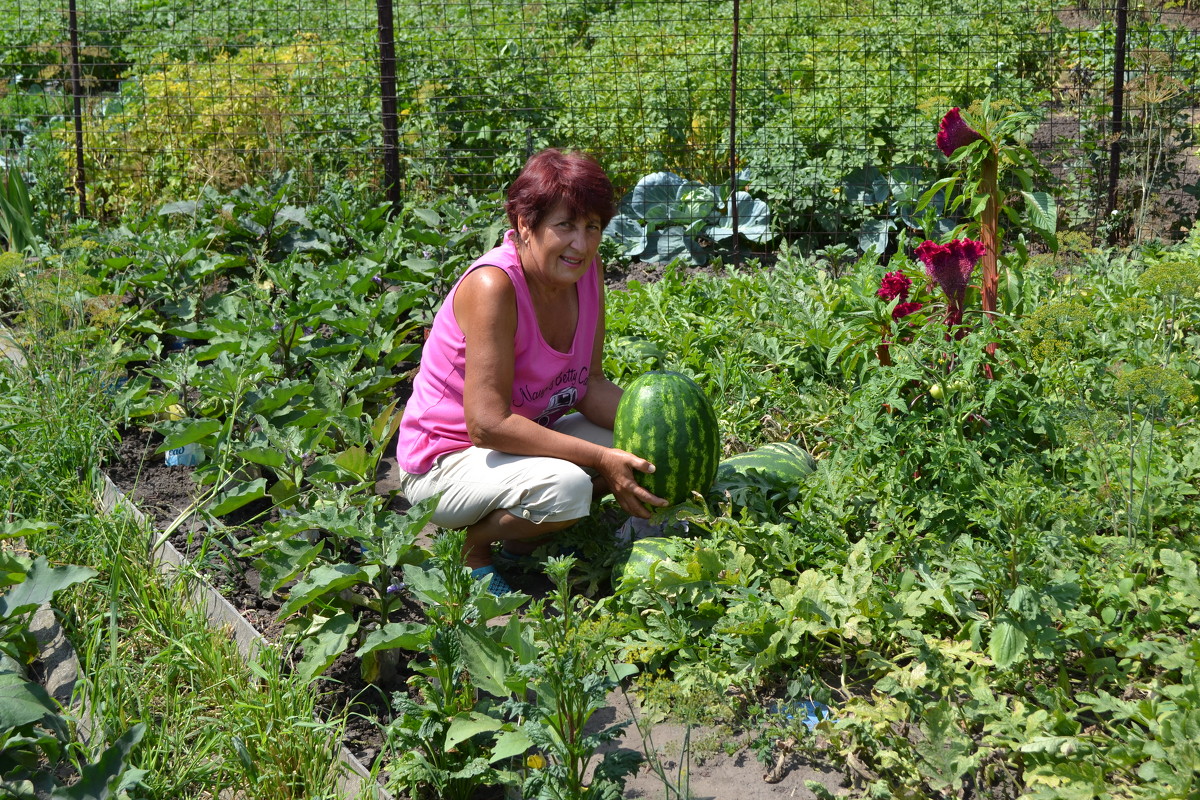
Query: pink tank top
(546, 383)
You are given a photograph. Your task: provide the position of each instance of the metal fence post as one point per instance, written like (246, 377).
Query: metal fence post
(733, 71)
(387, 91)
(77, 107)
(1118, 114)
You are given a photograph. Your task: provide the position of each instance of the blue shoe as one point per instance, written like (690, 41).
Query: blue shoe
(498, 586)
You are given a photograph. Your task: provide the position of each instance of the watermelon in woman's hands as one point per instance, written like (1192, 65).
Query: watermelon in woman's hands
(665, 418)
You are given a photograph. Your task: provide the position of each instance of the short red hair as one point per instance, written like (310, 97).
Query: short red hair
(553, 176)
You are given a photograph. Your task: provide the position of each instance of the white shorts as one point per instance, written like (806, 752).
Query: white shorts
(477, 481)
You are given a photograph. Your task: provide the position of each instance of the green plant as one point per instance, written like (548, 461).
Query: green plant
(570, 681)
(342, 564)
(988, 150)
(665, 217)
(448, 736)
(891, 202)
(17, 219)
(37, 749)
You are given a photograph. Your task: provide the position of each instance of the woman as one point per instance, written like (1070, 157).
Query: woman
(517, 344)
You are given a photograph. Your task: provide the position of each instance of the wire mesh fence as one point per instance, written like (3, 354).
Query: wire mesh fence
(825, 112)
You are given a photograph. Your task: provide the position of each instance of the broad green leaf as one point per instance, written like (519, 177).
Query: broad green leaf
(284, 561)
(866, 186)
(931, 192)
(325, 580)
(266, 456)
(40, 585)
(99, 780)
(428, 216)
(188, 207)
(22, 702)
(279, 396)
(192, 432)
(237, 497)
(11, 530)
(385, 422)
(403, 635)
(1042, 211)
(978, 204)
(491, 606)
(1014, 285)
(426, 584)
(284, 493)
(357, 461)
(13, 568)
(464, 726)
(487, 662)
(509, 744)
(1007, 644)
(323, 648)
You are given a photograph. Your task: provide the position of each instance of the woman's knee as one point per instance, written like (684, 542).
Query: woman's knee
(569, 499)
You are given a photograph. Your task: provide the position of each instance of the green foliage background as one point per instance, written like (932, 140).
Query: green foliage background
(183, 98)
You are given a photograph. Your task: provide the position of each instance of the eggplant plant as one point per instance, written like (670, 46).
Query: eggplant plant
(345, 558)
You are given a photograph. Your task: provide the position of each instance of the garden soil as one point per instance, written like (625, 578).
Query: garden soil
(718, 764)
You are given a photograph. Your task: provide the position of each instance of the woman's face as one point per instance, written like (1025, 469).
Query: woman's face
(560, 250)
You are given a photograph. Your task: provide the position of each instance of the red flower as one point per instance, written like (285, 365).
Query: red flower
(951, 264)
(954, 132)
(894, 285)
(904, 309)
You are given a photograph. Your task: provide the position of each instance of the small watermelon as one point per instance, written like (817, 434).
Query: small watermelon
(780, 464)
(665, 418)
(639, 562)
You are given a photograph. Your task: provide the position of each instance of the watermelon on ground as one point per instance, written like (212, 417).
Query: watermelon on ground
(640, 563)
(779, 464)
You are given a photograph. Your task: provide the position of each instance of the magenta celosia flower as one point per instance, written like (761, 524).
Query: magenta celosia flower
(904, 309)
(894, 285)
(951, 265)
(954, 132)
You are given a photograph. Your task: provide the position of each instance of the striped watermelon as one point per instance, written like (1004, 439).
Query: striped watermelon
(665, 418)
(780, 464)
(643, 560)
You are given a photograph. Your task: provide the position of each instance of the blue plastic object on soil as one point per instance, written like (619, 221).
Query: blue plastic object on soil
(810, 712)
(187, 456)
(115, 385)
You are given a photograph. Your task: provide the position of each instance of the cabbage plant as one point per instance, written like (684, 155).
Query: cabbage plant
(666, 217)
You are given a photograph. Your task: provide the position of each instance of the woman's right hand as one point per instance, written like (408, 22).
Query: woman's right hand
(617, 467)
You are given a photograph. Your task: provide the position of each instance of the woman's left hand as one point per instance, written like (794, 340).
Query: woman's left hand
(617, 467)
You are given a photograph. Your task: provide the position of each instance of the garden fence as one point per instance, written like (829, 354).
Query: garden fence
(825, 111)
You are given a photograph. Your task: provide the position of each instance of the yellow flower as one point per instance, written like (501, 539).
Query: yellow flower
(535, 761)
